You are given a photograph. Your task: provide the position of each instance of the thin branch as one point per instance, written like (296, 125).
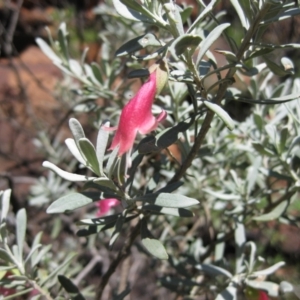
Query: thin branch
(115, 263)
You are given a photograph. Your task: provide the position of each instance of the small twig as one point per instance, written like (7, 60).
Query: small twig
(115, 263)
(86, 270)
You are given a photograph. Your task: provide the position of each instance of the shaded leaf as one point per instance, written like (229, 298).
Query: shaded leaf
(69, 202)
(274, 214)
(21, 225)
(270, 287)
(89, 152)
(223, 115)
(211, 38)
(70, 287)
(168, 200)
(213, 270)
(178, 212)
(138, 43)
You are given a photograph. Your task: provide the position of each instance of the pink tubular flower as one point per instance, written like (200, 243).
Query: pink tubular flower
(105, 205)
(137, 117)
(263, 296)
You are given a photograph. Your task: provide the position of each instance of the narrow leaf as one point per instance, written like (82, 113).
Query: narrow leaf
(74, 150)
(213, 270)
(274, 214)
(178, 212)
(224, 116)
(211, 38)
(69, 203)
(76, 129)
(169, 200)
(21, 225)
(5, 200)
(155, 248)
(89, 152)
(66, 175)
(101, 145)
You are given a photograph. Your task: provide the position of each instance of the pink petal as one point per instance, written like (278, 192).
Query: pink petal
(105, 205)
(263, 296)
(137, 116)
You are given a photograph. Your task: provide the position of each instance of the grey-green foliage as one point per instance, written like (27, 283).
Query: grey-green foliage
(230, 168)
(20, 264)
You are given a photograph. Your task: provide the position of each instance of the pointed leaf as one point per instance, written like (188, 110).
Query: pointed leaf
(270, 270)
(74, 150)
(169, 200)
(21, 225)
(270, 287)
(70, 287)
(76, 129)
(48, 51)
(89, 152)
(178, 212)
(224, 116)
(213, 270)
(138, 43)
(155, 248)
(211, 38)
(129, 13)
(102, 140)
(5, 200)
(274, 214)
(66, 175)
(69, 203)
(179, 46)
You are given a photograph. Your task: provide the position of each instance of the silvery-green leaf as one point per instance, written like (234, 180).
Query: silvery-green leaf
(75, 67)
(222, 196)
(21, 225)
(262, 150)
(230, 293)
(287, 64)
(66, 175)
(101, 145)
(285, 287)
(178, 212)
(89, 151)
(231, 57)
(74, 150)
(213, 270)
(276, 69)
(6, 257)
(168, 200)
(97, 72)
(240, 240)
(180, 45)
(40, 255)
(5, 200)
(174, 17)
(60, 267)
(138, 43)
(113, 158)
(274, 214)
(69, 202)
(211, 38)
(48, 51)
(117, 229)
(129, 13)
(224, 116)
(240, 11)
(270, 287)
(62, 39)
(220, 247)
(202, 15)
(284, 15)
(155, 248)
(270, 270)
(99, 221)
(76, 129)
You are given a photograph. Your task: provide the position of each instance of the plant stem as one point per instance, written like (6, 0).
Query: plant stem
(218, 98)
(114, 264)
